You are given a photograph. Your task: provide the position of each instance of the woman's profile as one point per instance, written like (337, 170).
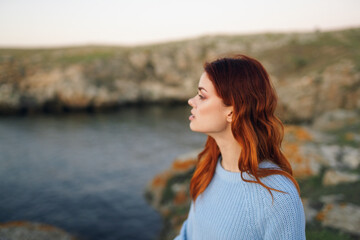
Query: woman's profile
(242, 187)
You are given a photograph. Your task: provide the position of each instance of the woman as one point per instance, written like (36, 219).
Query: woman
(243, 186)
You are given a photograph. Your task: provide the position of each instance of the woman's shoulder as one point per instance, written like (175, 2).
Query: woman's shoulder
(281, 183)
(287, 191)
(276, 180)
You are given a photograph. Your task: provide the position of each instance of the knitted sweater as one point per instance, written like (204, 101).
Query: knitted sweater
(231, 208)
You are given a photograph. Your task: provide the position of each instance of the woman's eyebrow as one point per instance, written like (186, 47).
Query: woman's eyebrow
(201, 88)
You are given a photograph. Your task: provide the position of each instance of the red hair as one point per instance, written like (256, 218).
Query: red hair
(242, 82)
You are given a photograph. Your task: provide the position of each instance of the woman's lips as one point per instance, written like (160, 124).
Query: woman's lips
(192, 116)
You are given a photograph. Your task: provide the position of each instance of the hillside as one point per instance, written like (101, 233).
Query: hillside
(315, 71)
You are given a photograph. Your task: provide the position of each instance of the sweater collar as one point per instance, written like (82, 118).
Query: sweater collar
(236, 176)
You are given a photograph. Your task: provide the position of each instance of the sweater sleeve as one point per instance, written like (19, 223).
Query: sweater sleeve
(182, 235)
(285, 219)
(186, 229)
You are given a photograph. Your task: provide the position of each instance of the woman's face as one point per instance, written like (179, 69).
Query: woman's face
(209, 114)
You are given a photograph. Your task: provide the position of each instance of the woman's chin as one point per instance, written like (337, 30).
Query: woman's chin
(192, 127)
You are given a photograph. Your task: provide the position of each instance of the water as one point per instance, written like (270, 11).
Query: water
(87, 173)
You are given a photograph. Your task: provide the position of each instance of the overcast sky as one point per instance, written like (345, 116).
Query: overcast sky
(32, 23)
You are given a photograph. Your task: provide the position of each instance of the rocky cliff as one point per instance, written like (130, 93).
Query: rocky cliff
(313, 73)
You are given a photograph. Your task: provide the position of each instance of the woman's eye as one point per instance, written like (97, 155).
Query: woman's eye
(200, 96)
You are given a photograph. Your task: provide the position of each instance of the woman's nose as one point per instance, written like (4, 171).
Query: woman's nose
(190, 102)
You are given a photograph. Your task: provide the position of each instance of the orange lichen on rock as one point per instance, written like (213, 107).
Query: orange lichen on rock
(343, 205)
(165, 211)
(48, 228)
(14, 224)
(160, 180)
(300, 164)
(180, 198)
(299, 133)
(183, 165)
(303, 135)
(291, 150)
(322, 214)
(302, 172)
(349, 136)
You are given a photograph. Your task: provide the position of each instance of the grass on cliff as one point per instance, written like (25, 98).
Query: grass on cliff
(346, 136)
(322, 49)
(313, 189)
(183, 179)
(315, 231)
(51, 57)
(293, 54)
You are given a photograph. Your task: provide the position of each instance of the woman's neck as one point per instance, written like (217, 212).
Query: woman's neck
(230, 151)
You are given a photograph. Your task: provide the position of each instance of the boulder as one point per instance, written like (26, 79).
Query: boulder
(345, 216)
(21, 230)
(336, 119)
(334, 177)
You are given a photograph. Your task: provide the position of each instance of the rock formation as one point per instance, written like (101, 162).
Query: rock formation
(314, 73)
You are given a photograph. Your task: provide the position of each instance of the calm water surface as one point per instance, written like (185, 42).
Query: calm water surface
(87, 173)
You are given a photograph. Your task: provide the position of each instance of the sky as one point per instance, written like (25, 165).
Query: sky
(48, 23)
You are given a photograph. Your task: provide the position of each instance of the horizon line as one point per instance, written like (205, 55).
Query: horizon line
(174, 40)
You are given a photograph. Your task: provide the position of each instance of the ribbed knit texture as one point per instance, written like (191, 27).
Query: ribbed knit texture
(231, 208)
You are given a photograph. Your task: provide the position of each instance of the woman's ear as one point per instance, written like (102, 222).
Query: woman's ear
(229, 115)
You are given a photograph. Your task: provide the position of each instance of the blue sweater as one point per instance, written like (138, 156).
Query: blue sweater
(231, 208)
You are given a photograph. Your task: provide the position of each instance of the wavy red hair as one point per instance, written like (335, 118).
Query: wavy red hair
(242, 82)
